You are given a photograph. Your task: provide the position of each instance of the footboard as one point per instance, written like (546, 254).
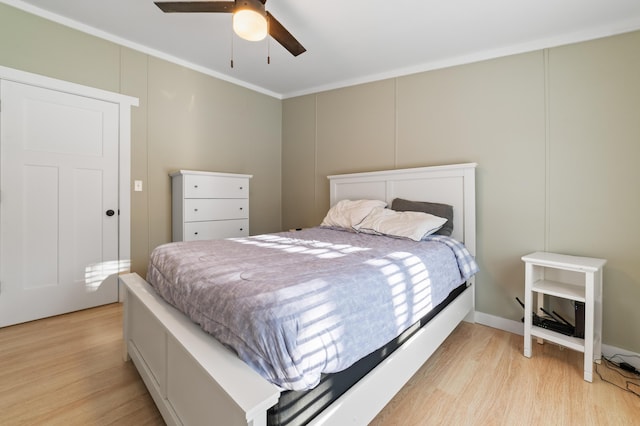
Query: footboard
(192, 378)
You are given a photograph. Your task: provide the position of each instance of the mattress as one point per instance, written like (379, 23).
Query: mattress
(295, 306)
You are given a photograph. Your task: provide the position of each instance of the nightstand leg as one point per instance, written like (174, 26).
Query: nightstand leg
(528, 305)
(597, 317)
(588, 326)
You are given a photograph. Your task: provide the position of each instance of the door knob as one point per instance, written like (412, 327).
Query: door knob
(110, 212)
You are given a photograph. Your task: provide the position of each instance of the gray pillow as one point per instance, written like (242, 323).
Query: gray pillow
(436, 209)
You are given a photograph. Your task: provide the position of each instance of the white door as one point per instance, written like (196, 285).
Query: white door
(58, 202)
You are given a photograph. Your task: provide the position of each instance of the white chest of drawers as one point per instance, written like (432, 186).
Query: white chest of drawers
(209, 205)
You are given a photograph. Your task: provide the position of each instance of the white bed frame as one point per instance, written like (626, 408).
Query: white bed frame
(194, 380)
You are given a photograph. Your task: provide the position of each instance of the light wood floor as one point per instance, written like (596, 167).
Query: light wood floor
(68, 370)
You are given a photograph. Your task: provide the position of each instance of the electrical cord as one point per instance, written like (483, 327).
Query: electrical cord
(622, 359)
(630, 386)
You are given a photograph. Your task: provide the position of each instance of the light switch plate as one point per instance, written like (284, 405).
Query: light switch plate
(137, 185)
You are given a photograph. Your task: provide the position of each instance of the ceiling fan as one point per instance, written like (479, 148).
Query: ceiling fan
(250, 19)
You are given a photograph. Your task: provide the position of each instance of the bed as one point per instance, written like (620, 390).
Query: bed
(194, 379)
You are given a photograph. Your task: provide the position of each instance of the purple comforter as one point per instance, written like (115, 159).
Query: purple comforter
(294, 305)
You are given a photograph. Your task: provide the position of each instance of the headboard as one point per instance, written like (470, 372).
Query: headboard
(451, 184)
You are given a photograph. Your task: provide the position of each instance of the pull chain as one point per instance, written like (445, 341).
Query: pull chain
(231, 47)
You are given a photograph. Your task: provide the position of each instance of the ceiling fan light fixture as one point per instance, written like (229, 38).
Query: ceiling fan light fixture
(250, 19)
(250, 24)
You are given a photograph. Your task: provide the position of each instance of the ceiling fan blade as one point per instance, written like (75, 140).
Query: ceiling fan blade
(196, 6)
(284, 37)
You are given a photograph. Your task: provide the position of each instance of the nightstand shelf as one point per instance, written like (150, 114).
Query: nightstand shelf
(575, 343)
(569, 277)
(559, 289)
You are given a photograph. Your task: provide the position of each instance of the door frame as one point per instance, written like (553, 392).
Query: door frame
(124, 146)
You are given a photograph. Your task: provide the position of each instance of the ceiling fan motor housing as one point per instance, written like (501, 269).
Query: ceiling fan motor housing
(254, 5)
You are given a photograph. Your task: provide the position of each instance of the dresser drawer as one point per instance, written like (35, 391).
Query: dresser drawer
(216, 229)
(200, 186)
(200, 209)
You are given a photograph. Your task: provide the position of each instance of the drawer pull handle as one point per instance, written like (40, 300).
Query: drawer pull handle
(241, 188)
(240, 208)
(195, 210)
(195, 233)
(195, 186)
(242, 229)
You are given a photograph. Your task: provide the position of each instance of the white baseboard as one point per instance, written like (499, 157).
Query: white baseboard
(626, 356)
(517, 327)
(500, 323)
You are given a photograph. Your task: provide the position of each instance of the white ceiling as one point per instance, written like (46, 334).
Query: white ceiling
(347, 41)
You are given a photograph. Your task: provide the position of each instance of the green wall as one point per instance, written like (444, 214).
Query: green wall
(556, 134)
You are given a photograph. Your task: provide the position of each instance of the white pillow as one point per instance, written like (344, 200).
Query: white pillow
(347, 213)
(413, 225)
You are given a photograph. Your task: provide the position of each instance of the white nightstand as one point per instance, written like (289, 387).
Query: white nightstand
(570, 277)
